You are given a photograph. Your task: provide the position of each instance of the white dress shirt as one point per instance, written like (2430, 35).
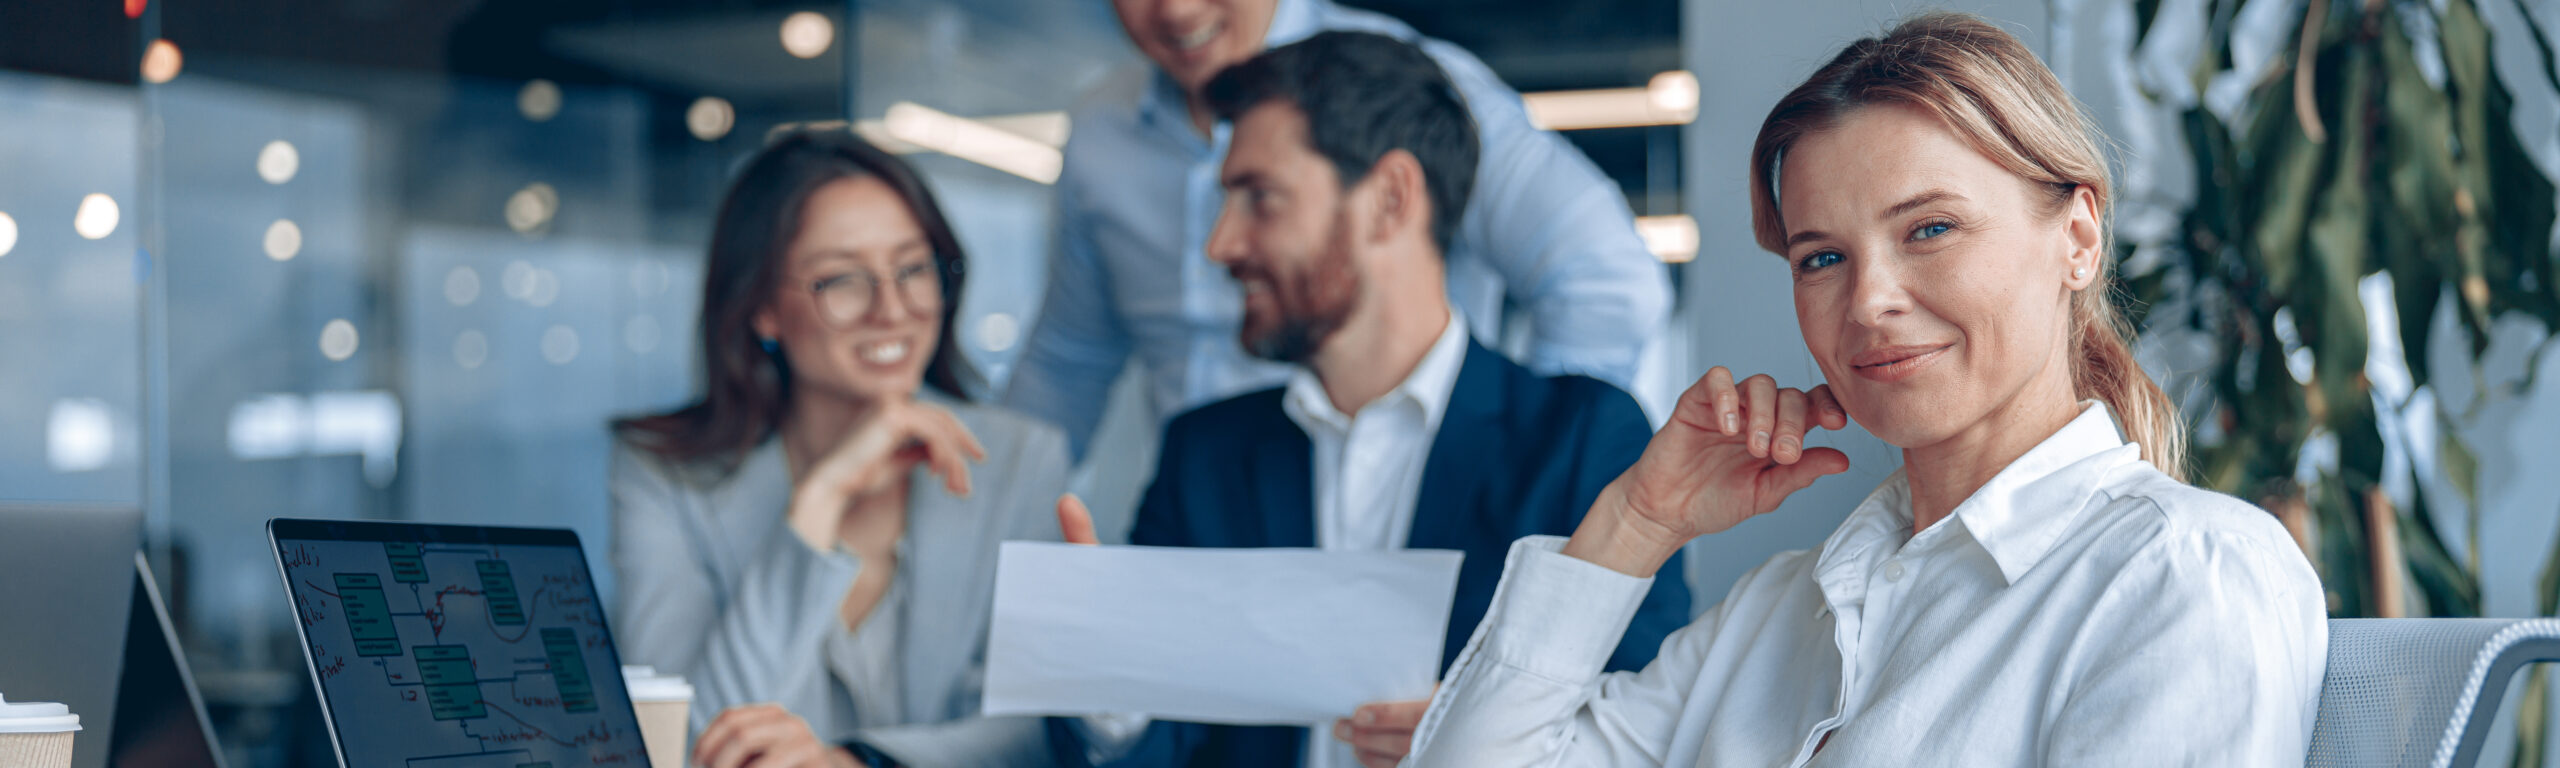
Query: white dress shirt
(1368, 469)
(1138, 195)
(2080, 609)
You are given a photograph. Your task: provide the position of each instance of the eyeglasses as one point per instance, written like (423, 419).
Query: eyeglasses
(846, 298)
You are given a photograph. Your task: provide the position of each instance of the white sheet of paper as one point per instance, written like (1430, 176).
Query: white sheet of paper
(1236, 636)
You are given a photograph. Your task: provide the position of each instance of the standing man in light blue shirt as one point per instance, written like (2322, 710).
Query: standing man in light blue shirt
(1140, 192)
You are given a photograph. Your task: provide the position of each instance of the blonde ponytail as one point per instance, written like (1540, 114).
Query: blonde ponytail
(1994, 92)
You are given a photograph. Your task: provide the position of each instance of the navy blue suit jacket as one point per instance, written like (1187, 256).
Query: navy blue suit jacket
(1517, 454)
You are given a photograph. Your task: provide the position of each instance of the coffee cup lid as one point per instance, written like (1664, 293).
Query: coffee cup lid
(645, 684)
(36, 717)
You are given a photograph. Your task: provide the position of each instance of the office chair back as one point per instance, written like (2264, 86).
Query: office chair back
(2411, 693)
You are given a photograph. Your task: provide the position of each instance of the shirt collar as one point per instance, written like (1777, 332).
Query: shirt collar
(1429, 385)
(2019, 515)
(2015, 518)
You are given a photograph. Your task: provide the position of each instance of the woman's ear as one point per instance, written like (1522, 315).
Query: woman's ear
(766, 326)
(2085, 260)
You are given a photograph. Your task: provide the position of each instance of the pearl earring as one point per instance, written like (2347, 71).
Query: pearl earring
(2079, 272)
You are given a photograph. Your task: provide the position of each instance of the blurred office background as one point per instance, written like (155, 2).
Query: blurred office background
(403, 258)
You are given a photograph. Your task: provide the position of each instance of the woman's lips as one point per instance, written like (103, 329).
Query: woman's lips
(1891, 364)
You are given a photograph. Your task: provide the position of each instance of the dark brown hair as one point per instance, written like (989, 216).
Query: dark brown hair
(1991, 90)
(746, 389)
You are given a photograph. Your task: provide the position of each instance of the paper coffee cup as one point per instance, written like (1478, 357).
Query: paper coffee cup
(662, 702)
(37, 734)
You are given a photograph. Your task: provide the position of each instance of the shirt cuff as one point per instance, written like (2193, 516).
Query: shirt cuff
(1557, 616)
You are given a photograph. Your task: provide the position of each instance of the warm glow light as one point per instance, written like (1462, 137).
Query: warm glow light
(338, 340)
(1673, 239)
(161, 61)
(284, 239)
(133, 8)
(1675, 92)
(8, 234)
(972, 141)
(710, 118)
(1670, 99)
(531, 208)
(97, 217)
(539, 100)
(277, 161)
(807, 34)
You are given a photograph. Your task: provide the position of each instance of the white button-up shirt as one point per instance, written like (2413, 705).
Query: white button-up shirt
(1368, 469)
(2080, 609)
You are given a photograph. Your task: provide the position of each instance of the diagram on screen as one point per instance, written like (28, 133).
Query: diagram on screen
(444, 655)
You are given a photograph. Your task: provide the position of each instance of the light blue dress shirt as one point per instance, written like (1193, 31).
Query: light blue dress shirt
(1139, 194)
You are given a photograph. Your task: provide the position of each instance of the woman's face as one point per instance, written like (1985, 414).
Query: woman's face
(1933, 285)
(858, 310)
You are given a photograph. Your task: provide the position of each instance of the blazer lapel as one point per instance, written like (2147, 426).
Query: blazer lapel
(1283, 485)
(1453, 478)
(945, 553)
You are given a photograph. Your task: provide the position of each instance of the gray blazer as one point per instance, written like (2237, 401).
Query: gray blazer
(716, 587)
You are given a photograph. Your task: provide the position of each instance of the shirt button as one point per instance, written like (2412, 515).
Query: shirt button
(1893, 570)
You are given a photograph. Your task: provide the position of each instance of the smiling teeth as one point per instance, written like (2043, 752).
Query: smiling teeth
(1198, 37)
(885, 354)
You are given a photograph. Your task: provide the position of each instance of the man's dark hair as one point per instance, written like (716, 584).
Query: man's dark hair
(1365, 94)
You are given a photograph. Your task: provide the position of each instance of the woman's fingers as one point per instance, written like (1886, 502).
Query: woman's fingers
(729, 739)
(1074, 523)
(1786, 443)
(1760, 412)
(1779, 482)
(948, 446)
(1826, 408)
(1728, 403)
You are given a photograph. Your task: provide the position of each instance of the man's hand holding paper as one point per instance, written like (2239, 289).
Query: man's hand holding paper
(1261, 636)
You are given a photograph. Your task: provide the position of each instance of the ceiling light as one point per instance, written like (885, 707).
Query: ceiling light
(277, 161)
(807, 34)
(539, 100)
(1673, 239)
(284, 239)
(972, 141)
(161, 62)
(1670, 99)
(710, 118)
(96, 217)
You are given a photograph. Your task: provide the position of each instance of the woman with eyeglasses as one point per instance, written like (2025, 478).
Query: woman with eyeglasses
(813, 542)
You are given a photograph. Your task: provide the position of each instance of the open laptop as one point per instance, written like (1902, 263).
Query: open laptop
(72, 587)
(449, 646)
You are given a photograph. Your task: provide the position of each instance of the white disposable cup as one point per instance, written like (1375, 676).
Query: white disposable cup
(663, 703)
(36, 734)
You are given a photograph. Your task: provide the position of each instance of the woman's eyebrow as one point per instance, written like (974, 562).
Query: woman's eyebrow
(1917, 201)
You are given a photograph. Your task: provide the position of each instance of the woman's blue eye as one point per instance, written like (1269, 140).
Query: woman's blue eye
(1932, 229)
(1818, 260)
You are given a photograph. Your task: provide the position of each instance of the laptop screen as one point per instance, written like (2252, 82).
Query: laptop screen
(442, 646)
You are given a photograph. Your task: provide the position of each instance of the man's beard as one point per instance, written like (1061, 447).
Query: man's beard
(1312, 304)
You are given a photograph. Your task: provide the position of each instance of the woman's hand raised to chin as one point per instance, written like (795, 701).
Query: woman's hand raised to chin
(1729, 452)
(878, 453)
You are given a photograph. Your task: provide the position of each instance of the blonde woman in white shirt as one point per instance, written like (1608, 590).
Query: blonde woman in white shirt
(2035, 587)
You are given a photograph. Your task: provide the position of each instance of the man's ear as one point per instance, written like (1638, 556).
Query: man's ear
(1402, 200)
